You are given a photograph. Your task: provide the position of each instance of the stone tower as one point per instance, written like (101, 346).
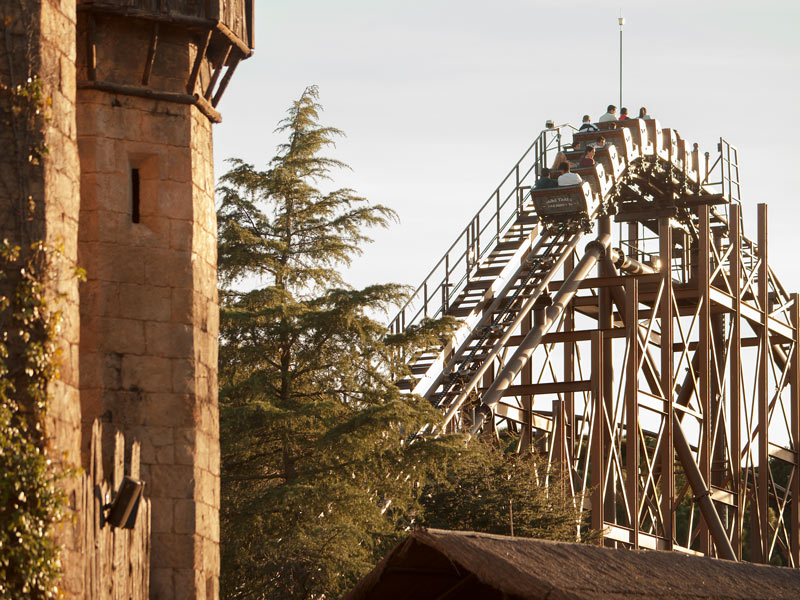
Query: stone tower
(149, 76)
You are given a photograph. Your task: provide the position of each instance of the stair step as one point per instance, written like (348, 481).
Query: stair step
(479, 284)
(488, 271)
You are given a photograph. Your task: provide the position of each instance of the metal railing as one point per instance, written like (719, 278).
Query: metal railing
(494, 218)
(723, 175)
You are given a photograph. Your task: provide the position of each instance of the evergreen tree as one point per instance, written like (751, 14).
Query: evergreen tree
(315, 473)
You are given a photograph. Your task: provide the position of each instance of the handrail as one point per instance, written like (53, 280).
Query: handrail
(489, 224)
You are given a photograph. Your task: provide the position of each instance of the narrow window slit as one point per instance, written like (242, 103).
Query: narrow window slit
(136, 198)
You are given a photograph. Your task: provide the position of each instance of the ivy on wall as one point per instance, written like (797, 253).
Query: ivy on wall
(31, 500)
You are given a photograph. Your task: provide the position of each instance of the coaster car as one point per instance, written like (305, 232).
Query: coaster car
(565, 203)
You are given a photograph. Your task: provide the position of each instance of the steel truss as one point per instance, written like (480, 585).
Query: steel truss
(657, 364)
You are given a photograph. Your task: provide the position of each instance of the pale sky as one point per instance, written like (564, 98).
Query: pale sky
(439, 99)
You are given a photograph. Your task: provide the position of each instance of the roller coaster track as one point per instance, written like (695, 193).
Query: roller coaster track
(658, 364)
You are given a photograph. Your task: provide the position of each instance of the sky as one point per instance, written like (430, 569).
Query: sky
(440, 98)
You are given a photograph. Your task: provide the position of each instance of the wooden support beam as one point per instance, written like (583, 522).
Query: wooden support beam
(563, 337)
(605, 320)
(132, 90)
(763, 389)
(666, 459)
(225, 81)
(526, 377)
(794, 415)
(632, 406)
(569, 365)
(597, 475)
(202, 48)
(539, 389)
(646, 215)
(217, 72)
(734, 377)
(704, 367)
(151, 54)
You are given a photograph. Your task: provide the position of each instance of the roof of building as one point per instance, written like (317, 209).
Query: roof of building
(432, 563)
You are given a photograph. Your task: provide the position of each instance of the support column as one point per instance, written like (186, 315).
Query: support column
(526, 378)
(735, 379)
(704, 370)
(667, 384)
(632, 405)
(569, 368)
(597, 462)
(763, 390)
(605, 322)
(794, 415)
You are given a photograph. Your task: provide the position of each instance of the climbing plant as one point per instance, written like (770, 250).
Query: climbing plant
(31, 500)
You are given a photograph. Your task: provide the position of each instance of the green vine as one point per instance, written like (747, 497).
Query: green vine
(32, 499)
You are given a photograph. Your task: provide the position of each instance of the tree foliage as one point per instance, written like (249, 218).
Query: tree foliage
(484, 488)
(318, 477)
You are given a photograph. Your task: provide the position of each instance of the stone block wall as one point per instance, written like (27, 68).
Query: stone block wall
(39, 200)
(149, 318)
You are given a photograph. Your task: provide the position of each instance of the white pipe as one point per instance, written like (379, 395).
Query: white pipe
(594, 251)
(501, 343)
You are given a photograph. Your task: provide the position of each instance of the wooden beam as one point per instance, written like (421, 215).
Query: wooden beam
(762, 424)
(596, 463)
(225, 80)
(794, 415)
(534, 389)
(704, 367)
(735, 381)
(217, 72)
(202, 48)
(632, 406)
(667, 458)
(646, 215)
(151, 54)
(140, 92)
(234, 40)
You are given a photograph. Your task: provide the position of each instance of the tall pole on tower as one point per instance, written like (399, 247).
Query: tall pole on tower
(621, 23)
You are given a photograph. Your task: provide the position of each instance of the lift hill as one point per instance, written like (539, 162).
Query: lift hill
(661, 371)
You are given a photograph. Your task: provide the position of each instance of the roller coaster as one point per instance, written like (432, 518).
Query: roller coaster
(629, 331)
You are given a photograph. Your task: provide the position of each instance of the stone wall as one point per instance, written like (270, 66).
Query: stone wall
(149, 317)
(39, 200)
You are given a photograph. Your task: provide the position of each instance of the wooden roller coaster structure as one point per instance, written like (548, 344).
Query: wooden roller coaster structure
(656, 363)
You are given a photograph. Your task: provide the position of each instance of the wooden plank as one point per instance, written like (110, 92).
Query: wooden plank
(632, 406)
(202, 48)
(794, 415)
(596, 453)
(535, 389)
(151, 54)
(763, 393)
(667, 460)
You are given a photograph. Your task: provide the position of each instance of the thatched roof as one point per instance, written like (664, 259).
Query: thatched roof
(432, 563)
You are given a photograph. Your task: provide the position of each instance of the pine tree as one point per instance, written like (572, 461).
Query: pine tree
(316, 476)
